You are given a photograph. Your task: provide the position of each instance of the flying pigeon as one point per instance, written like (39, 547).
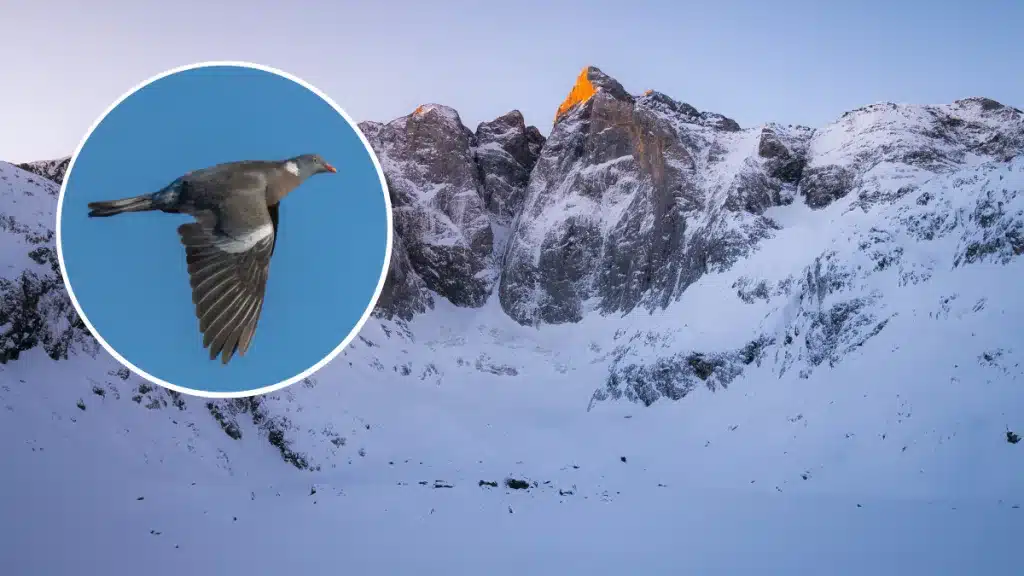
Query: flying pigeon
(228, 247)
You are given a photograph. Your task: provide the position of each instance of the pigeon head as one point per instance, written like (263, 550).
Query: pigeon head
(308, 165)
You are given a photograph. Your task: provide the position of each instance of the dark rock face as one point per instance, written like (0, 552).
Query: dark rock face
(616, 211)
(449, 187)
(404, 294)
(506, 151)
(437, 201)
(771, 177)
(824, 185)
(783, 162)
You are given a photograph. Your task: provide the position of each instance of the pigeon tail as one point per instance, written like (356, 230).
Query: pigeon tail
(143, 203)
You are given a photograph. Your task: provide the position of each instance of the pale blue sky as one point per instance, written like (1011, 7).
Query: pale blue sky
(796, 61)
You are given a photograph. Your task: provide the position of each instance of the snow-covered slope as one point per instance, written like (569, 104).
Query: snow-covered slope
(835, 311)
(34, 308)
(52, 170)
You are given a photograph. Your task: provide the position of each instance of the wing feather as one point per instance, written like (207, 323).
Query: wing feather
(228, 265)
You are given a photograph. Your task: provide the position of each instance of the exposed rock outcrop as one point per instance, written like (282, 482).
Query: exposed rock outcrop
(624, 208)
(50, 169)
(506, 152)
(437, 201)
(631, 199)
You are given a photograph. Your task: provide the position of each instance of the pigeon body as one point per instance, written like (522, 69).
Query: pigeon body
(228, 247)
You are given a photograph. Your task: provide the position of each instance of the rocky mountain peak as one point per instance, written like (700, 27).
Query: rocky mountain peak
(440, 220)
(52, 170)
(511, 133)
(631, 200)
(506, 150)
(590, 81)
(656, 100)
(986, 104)
(437, 111)
(452, 192)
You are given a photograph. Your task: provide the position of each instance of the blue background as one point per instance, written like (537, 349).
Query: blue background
(128, 272)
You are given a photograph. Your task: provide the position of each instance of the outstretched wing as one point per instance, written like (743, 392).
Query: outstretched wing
(228, 253)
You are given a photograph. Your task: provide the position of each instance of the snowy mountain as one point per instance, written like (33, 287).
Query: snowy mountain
(837, 306)
(52, 170)
(35, 310)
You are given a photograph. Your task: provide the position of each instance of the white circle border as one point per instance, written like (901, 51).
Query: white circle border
(387, 249)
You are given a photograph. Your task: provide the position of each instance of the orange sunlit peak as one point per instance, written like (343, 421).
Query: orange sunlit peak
(582, 91)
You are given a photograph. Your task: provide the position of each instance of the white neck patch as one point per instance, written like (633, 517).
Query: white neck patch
(292, 167)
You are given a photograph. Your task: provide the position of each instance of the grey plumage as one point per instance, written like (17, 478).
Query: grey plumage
(228, 247)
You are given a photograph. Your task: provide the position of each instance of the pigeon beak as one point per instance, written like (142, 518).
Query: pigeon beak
(330, 168)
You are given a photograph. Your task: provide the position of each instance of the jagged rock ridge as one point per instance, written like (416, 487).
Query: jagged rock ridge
(625, 207)
(631, 199)
(635, 198)
(451, 191)
(50, 169)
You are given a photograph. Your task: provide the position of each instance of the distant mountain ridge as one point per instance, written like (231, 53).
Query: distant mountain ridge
(633, 199)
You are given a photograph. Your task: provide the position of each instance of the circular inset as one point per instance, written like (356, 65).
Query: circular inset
(224, 229)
